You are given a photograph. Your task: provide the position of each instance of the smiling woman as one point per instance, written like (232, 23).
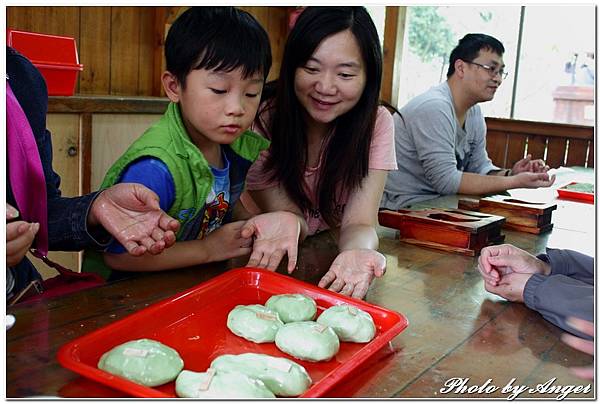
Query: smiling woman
(331, 142)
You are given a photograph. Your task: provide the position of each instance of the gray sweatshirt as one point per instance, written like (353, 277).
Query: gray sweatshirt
(432, 150)
(567, 292)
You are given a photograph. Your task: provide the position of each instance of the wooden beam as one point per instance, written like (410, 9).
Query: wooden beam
(550, 129)
(393, 40)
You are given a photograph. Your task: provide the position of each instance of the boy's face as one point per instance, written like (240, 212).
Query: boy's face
(217, 106)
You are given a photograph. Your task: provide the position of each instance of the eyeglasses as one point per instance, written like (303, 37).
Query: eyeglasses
(492, 71)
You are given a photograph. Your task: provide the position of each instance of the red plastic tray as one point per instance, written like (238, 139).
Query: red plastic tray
(579, 196)
(194, 323)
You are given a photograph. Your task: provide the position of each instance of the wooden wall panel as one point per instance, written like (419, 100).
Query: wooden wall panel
(124, 66)
(516, 148)
(536, 146)
(121, 48)
(496, 143)
(112, 134)
(577, 152)
(147, 75)
(94, 50)
(555, 156)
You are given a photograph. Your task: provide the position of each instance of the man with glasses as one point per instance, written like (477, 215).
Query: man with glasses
(440, 134)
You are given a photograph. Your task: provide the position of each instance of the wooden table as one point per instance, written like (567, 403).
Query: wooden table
(457, 329)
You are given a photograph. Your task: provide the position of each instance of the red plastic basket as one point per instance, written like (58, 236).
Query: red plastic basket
(194, 323)
(54, 56)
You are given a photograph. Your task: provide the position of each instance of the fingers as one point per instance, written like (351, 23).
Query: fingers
(255, 258)
(275, 259)
(167, 223)
(11, 213)
(583, 372)
(169, 238)
(292, 253)
(578, 343)
(586, 327)
(347, 289)
(327, 279)
(249, 229)
(16, 229)
(134, 248)
(157, 247)
(146, 196)
(360, 290)
(336, 285)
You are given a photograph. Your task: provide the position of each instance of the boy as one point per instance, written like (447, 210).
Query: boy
(196, 157)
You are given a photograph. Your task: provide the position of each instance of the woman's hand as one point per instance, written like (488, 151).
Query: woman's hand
(352, 272)
(19, 237)
(131, 214)
(275, 234)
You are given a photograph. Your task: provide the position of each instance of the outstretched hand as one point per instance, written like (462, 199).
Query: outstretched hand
(275, 234)
(352, 272)
(132, 215)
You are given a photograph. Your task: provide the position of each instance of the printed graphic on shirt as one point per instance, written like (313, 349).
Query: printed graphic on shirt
(214, 213)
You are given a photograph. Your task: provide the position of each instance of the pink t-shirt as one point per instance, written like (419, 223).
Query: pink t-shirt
(382, 156)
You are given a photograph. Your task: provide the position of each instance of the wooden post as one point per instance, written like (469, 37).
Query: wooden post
(393, 40)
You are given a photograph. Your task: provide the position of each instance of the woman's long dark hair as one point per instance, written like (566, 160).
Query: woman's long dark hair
(346, 158)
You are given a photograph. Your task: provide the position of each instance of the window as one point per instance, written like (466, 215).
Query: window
(555, 80)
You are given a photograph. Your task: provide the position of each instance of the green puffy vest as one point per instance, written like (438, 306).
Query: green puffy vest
(168, 141)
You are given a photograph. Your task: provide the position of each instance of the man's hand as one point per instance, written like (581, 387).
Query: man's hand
(352, 272)
(132, 215)
(497, 261)
(275, 234)
(581, 344)
(228, 242)
(510, 287)
(532, 180)
(19, 237)
(529, 165)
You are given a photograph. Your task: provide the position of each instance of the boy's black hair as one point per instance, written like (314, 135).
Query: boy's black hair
(219, 38)
(469, 46)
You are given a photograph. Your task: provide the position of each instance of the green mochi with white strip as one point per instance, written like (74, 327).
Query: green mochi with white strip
(308, 340)
(285, 378)
(293, 307)
(350, 323)
(220, 385)
(254, 322)
(143, 361)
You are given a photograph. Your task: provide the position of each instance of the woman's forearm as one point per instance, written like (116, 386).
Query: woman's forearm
(358, 236)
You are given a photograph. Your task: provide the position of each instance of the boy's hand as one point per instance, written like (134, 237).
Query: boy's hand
(352, 272)
(227, 242)
(131, 214)
(275, 234)
(497, 261)
(19, 237)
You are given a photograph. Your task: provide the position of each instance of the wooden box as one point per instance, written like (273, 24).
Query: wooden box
(526, 216)
(452, 230)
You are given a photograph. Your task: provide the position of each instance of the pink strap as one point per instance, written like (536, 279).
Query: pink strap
(26, 175)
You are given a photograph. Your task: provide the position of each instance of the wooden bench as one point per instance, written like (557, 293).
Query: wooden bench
(509, 140)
